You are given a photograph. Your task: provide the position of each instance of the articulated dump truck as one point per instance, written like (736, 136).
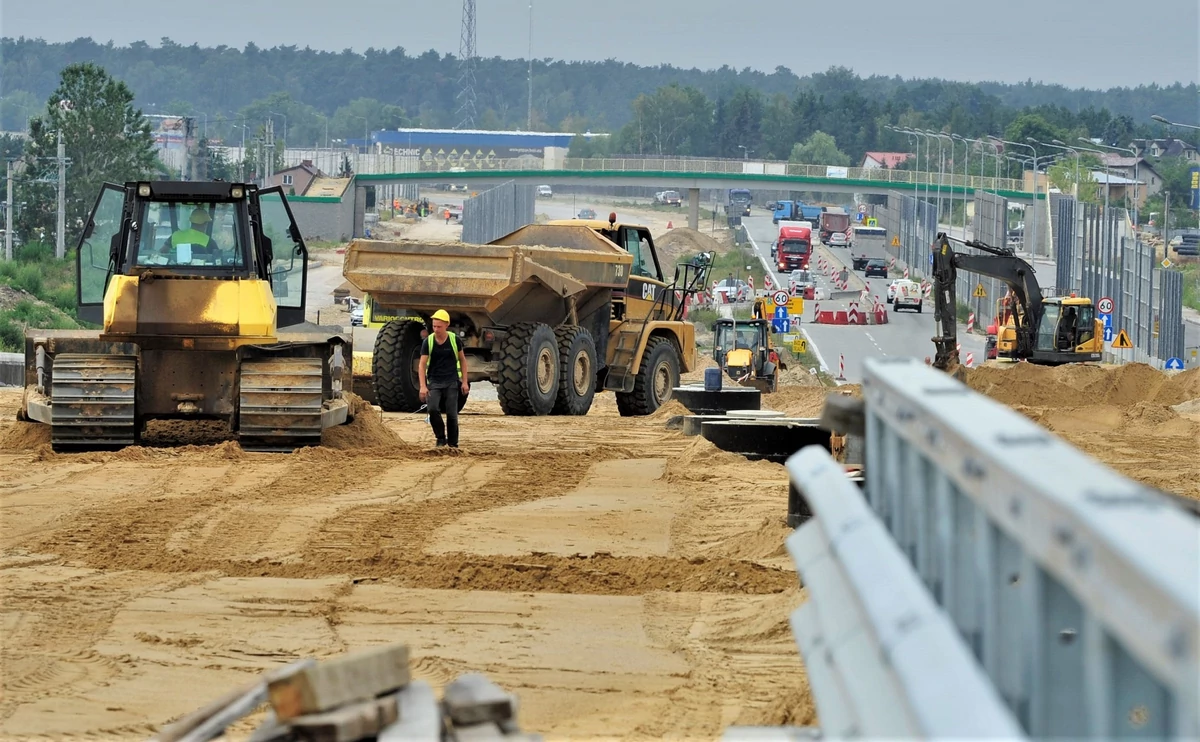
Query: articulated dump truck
(549, 314)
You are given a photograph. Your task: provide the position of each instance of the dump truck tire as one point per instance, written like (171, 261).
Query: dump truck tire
(393, 374)
(657, 377)
(576, 371)
(529, 370)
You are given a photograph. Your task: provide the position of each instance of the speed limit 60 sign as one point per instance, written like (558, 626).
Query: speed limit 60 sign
(781, 298)
(1105, 306)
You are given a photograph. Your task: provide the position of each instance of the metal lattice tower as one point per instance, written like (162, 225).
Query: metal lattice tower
(466, 64)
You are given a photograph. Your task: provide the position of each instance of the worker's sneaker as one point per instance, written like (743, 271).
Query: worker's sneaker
(440, 444)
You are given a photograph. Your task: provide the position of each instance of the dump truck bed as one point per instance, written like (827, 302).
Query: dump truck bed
(525, 279)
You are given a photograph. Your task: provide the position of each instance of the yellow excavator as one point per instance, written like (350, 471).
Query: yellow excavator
(191, 283)
(1050, 331)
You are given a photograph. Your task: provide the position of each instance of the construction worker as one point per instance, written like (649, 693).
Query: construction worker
(443, 375)
(447, 216)
(193, 236)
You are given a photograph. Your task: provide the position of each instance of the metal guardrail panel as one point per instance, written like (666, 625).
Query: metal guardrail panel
(1075, 587)
(882, 658)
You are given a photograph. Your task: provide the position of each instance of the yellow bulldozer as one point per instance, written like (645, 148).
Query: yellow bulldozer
(191, 283)
(550, 314)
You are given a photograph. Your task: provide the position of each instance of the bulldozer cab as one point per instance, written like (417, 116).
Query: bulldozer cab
(198, 230)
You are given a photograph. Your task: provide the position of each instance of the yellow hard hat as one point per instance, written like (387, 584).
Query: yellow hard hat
(442, 314)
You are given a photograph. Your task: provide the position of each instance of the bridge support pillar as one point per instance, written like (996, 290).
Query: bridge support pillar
(694, 208)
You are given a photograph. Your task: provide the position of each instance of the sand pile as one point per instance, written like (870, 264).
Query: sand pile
(798, 376)
(1139, 421)
(20, 436)
(1083, 385)
(366, 430)
(681, 242)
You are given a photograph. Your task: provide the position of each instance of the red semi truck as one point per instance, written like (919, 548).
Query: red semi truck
(834, 221)
(794, 248)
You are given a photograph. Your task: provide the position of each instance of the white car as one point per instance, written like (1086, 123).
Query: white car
(908, 295)
(733, 288)
(544, 191)
(891, 290)
(839, 239)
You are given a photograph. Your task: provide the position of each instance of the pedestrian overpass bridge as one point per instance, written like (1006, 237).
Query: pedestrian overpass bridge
(692, 175)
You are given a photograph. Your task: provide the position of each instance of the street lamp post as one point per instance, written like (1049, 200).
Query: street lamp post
(941, 171)
(1136, 159)
(1162, 120)
(966, 177)
(1031, 224)
(745, 151)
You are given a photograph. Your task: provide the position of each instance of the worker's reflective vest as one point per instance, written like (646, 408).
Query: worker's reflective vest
(189, 237)
(453, 346)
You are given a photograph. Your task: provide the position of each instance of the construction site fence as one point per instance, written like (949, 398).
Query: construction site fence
(1098, 255)
(496, 212)
(992, 582)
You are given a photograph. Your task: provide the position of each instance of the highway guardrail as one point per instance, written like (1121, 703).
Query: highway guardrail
(1074, 589)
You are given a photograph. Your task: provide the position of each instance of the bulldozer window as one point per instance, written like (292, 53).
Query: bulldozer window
(287, 255)
(181, 234)
(747, 337)
(96, 246)
(1047, 334)
(1086, 325)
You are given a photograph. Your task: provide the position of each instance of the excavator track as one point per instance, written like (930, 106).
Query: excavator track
(280, 404)
(94, 400)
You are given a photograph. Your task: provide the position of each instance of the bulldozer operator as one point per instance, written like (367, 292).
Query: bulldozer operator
(192, 242)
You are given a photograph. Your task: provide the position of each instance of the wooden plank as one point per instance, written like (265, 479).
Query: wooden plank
(339, 681)
(473, 699)
(210, 720)
(420, 716)
(348, 723)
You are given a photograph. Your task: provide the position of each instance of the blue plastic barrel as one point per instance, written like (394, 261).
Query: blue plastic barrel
(712, 379)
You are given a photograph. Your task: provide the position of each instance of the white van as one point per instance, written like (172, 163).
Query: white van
(908, 295)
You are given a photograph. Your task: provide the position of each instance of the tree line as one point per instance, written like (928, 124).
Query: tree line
(316, 96)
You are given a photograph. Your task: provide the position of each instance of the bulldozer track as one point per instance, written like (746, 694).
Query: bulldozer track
(94, 401)
(279, 407)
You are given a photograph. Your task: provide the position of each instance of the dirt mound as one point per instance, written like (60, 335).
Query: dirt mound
(683, 241)
(366, 430)
(799, 376)
(19, 436)
(671, 409)
(1082, 385)
(797, 401)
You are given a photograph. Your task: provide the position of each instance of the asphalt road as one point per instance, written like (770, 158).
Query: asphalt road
(907, 333)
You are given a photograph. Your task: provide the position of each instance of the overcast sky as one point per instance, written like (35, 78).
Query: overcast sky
(1078, 43)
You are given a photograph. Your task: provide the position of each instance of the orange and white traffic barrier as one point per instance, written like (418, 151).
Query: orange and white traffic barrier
(970, 360)
(906, 273)
(841, 368)
(970, 322)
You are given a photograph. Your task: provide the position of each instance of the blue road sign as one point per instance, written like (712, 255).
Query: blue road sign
(781, 325)
(1107, 319)
(1174, 364)
(930, 260)
(781, 312)
(1108, 333)
(858, 217)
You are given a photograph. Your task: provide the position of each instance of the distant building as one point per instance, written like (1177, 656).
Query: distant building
(1135, 168)
(889, 160)
(1119, 187)
(1169, 147)
(296, 179)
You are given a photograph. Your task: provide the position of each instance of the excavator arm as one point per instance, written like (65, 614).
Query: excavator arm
(1000, 263)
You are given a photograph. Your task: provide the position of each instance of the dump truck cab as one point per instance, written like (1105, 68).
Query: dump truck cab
(190, 283)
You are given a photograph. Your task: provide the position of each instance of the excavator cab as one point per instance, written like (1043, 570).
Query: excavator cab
(1068, 329)
(742, 348)
(190, 283)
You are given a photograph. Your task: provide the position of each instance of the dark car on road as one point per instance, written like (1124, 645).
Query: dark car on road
(858, 262)
(876, 267)
(586, 214)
